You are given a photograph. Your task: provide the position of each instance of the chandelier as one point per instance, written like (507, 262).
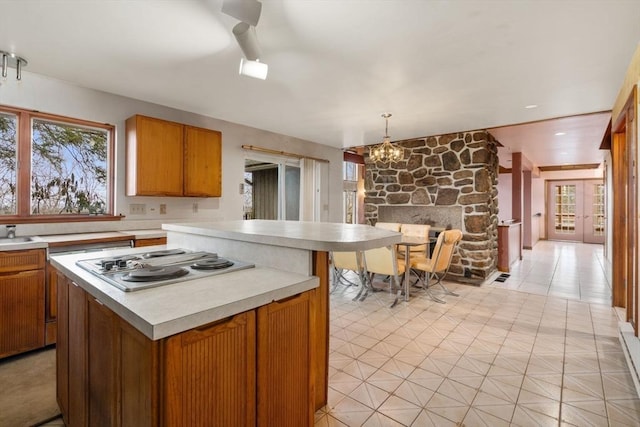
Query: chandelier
(385, 152)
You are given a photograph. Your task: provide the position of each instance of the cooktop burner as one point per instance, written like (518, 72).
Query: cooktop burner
(132, 272)
(158, 254)
(211, 264)
(151, 274)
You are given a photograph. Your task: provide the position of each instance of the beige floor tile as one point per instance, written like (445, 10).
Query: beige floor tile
(380, 420)
(618, 386)
(327, 420)
(369, 395)
(400, 410)
(585, 413)
(428, 418)
(476, 417)
(525, 416)
(580, 387)
(625, 412)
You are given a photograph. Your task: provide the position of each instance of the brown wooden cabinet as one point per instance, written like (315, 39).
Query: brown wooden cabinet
(138, 243)
(171, 159)
(247, 370)
(285, 381)
(62, 346)
(21, 301)
(210, 374)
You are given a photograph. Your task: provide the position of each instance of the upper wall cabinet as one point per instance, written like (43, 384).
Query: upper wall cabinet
(171, 159)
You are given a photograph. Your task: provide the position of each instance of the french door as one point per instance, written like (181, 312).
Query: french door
(576, 211)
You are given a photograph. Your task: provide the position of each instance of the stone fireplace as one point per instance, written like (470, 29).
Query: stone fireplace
(447, 181)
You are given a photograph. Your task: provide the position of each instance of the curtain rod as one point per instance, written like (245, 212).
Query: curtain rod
(282, 153)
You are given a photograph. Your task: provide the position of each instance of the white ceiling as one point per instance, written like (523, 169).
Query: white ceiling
(336, 65)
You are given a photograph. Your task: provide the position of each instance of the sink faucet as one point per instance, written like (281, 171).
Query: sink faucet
(11, 231)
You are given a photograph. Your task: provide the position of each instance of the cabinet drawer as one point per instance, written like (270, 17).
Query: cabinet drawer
(30, 259)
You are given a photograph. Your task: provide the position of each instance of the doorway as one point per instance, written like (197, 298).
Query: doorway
(576, 211)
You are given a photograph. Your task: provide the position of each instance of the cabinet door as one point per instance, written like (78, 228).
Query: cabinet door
(202, 162)
(285, 384)
(154, 157)
(210, 375)
(50, 304)
(77, 351)
(21, 311)
(102, 394)
(62, 347)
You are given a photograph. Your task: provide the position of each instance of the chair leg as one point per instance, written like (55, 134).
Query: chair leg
(439, 282)
(401, 289)
(425, 286)
(365, 289)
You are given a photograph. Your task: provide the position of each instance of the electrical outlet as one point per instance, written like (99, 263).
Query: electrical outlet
(195, 207)
(163, 209)
(137, 209)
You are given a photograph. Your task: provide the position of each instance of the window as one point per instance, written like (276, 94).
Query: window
(54, 167)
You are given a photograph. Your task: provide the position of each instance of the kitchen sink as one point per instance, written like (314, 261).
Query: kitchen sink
(8, 241)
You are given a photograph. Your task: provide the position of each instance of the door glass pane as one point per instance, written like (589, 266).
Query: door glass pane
(565, 211)
(598, 210)
(8, 162)
(292, 192)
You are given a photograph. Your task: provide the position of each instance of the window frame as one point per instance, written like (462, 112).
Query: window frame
(23, 173)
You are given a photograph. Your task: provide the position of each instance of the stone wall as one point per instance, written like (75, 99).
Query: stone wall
(458, 169)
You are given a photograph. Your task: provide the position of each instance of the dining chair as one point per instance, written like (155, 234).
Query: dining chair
(383, 260)
(393, 226)
(343, 262)
(439, 262)
(416, 230)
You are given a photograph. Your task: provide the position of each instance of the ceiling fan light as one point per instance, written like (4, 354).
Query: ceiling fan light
(255, 69)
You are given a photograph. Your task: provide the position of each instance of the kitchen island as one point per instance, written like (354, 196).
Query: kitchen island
(295, 246)
(248, 347)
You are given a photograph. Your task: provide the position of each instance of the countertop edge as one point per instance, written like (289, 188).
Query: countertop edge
(308, 243)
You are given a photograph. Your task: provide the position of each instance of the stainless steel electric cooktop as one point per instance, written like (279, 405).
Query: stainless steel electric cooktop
(134, 272)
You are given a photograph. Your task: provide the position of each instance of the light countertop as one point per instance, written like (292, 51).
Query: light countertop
(319, 236)
(45, 241)
(166, 310)
(146, 234)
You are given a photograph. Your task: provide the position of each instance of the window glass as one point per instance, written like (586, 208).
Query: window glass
(350, 171)
(8, 162)
(68, 169)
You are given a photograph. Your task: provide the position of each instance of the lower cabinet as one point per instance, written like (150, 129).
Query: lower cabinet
(137, 243)
(247, 370)
(21, 301)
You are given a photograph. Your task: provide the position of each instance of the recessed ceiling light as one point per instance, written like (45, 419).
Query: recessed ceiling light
(560, 133)
(530, 106)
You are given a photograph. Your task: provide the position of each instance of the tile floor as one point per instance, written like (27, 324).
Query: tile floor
(540, 349)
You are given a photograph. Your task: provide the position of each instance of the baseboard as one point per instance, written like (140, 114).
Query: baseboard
(631, 349)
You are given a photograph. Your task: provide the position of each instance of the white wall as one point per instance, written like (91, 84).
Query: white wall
(48, 95)
(504, 196)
